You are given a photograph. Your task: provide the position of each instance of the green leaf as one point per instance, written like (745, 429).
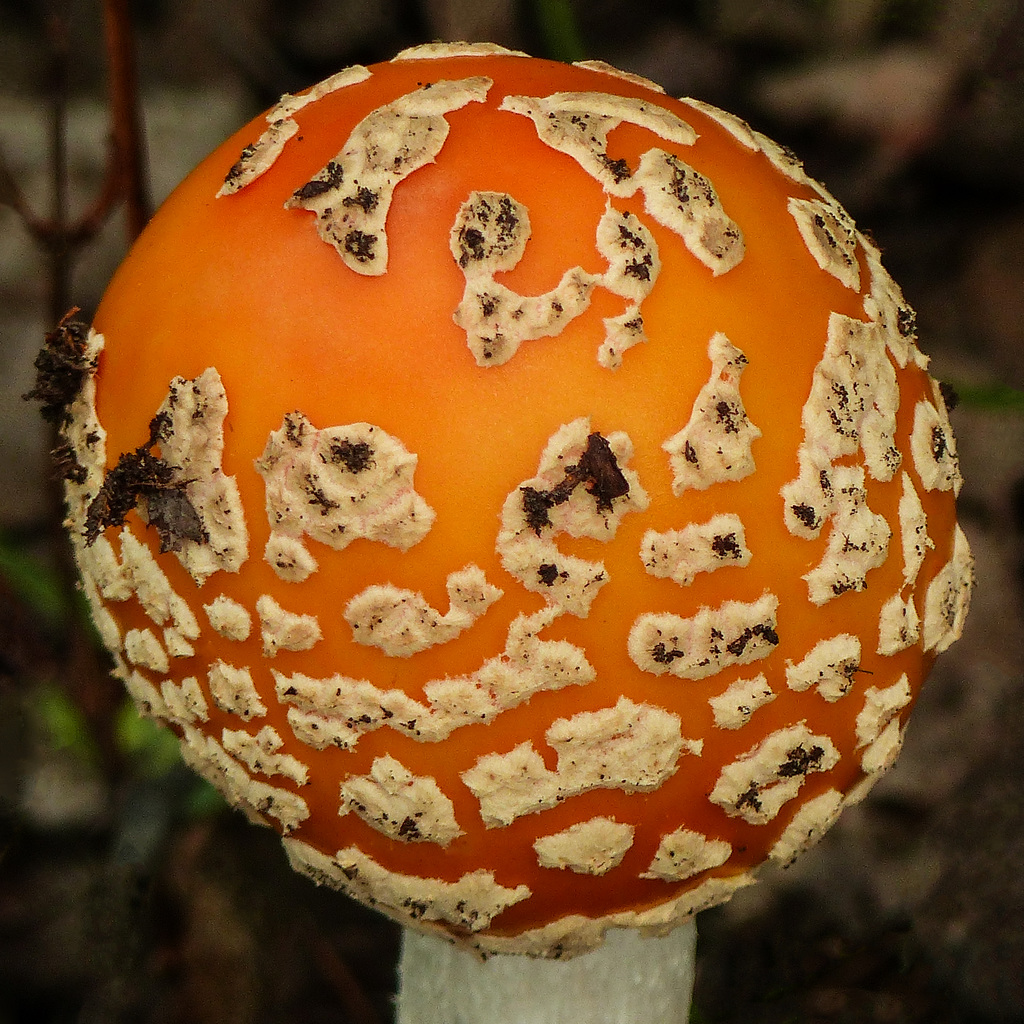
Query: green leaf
(152, 748)
(558, 30)
(35, 583)
(992, 397)
(204, 800)
(62, 722)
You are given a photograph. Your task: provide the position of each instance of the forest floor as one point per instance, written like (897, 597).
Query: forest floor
(128, 894)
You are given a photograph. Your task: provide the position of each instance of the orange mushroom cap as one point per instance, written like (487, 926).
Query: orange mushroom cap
(520, 488)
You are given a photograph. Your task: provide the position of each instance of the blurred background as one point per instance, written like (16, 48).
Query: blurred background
(127, 891)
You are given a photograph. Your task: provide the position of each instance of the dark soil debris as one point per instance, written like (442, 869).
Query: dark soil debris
(142, 476)
(61, 369)
(597, 470)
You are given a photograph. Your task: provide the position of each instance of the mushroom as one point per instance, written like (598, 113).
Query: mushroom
(525, 492)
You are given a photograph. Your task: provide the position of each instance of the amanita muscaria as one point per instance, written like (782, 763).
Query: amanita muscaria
(522, 489)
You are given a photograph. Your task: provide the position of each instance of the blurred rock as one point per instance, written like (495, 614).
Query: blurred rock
(60, 792)
(896, 96)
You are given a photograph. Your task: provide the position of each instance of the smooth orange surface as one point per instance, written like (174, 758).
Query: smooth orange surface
(244, 285)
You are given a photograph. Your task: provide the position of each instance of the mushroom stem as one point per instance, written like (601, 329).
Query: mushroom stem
(629, 980)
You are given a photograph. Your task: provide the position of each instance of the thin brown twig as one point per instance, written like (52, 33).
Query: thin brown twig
(127, 134)
(125, 178)
(85, 668)
(56, 239)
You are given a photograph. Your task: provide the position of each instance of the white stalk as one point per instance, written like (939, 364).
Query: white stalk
(629, 980)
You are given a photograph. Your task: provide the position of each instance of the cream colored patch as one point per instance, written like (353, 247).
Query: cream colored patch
(401, 622)
(141, 575)
(575, 934)
(259, 800)
(759, 784)
(632, 256)
(913, 531)
(590, 847)
(899, 625)
(148, 699)
(292, 103)
(86, 440)
(857, 543)
(183, 619)
(949, 597)
(621, 333)
(886, 305)
(259, 156)
(489, 236)
(229, 618)
(852, 406)
(99, 564)
(528, 665)
(809, 500)
(185, 701)
(189, 428)
(232, 690)
(578, 124)
(609, 69)
(400, 805)
(633, 268)
(102, 581)
(337, 711)
(830, 238)
(783, 159)
(735, 126)
(631, 747)
(289, 558)
(881, 706)
(734, 708)
(854, 398)
(807, 827)
(679, 555)
(340, 484)
(881, 754)
(684, 201)
(106, 625)
(715, 445)
(104, 578)
(471, 903)
(142, 648)
(830, 667)
(498, 320)
(684, 853)
(933, 446)
(583, 487)
(282, 630)
(176, 645)
(352, 194)
(190, 434)
(436, 51)
(261, 753)
(675, 195)
(734, 633)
